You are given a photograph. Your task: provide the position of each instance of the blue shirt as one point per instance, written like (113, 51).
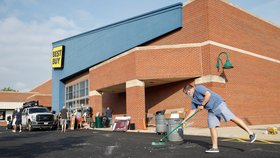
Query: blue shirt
(198, 97)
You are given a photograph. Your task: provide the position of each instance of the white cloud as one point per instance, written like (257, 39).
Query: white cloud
(25, 49)
(61, 22)
(21, 86)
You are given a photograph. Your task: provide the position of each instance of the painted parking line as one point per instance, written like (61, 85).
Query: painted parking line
(240, 140)
(261, 140)
(234, 140)
(265, 141)
(245, 140)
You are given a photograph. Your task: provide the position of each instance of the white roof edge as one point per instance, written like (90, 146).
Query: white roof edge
(39, 95)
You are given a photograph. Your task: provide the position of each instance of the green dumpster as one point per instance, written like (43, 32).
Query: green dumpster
(98, 122)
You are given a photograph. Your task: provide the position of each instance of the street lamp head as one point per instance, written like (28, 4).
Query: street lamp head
(227, 65)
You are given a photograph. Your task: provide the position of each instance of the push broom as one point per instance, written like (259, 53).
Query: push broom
(161, 142)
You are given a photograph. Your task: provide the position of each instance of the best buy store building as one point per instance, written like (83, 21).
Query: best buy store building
(139, 65)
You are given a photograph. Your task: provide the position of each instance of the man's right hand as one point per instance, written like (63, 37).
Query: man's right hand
(200, 107)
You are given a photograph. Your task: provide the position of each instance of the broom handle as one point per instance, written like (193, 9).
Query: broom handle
(180, 125)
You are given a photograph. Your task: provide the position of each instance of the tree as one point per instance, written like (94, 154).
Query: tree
(8, 89)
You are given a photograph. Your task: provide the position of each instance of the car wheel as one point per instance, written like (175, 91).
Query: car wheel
(30, 128)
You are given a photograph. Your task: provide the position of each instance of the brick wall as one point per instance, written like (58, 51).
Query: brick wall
(168, 96)
(195, 26)
(148, 64)
(252, 88)
(218, 21)
(242, 90)
(45, 88)
(14, 96)
(42, 94)
(168, 63)
(79, 78)
(116, 101)
(95, 103)
(231, 26)
(113, 74)
(44, 100)
(135, 105)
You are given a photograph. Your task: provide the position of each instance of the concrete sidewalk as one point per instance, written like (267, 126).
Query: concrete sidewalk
(236, 132)
(223, 132)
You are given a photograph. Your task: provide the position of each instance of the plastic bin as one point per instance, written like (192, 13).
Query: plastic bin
(161, 124)
(178, 134)
(98, 122)
(132, 126)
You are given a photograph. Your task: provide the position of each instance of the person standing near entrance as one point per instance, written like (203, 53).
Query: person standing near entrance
(14, 118)
(64, 116)
(79, 119)
(18, 119)
(203, 98)
(108, 114)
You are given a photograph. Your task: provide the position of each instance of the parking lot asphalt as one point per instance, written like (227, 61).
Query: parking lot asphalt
(100, 144)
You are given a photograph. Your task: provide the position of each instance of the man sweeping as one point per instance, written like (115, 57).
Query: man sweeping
(203, 98)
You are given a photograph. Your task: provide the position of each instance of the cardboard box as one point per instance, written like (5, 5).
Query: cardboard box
(175, 113)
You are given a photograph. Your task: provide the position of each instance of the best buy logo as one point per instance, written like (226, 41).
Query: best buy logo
(57, 57)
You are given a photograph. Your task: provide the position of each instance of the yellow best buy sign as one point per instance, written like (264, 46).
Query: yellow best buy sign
(57, 57)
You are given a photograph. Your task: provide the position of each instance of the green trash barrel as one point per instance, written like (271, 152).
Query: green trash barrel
(98, 122)
(132, 126)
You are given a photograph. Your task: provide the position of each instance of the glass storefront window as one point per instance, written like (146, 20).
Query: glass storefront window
(87, 87)
(82, 92)
(70, 92)
(77, 95)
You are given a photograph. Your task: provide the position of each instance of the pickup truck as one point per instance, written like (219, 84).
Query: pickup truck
(37, 117)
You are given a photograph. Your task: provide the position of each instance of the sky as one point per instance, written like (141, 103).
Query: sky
(29, 27)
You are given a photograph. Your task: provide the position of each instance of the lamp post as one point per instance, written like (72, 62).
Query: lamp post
(227, 65)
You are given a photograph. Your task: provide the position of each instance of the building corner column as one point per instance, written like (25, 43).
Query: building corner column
(135, 103)
(95, 101)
